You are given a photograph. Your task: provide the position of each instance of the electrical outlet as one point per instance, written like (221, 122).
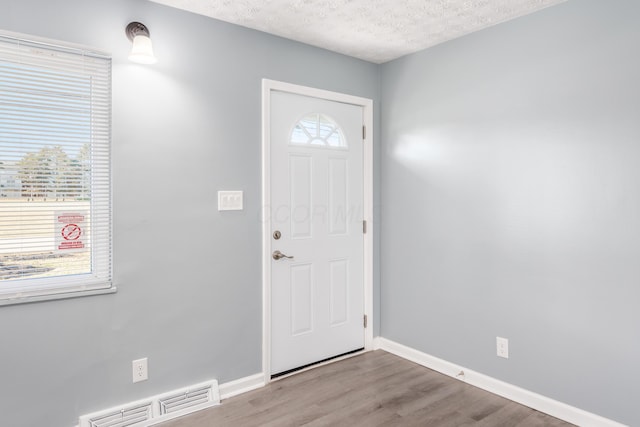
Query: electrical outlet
(502, 346)
(140, 372)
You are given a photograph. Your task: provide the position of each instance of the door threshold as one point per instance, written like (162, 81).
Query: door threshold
(317, 364)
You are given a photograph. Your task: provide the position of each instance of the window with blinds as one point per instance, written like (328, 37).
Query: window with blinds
(55, 207)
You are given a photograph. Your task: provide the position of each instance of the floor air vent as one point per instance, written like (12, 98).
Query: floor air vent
(154, 410)
(124, 417)
(188, 399)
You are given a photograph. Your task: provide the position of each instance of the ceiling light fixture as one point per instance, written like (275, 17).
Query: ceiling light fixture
(142, 50)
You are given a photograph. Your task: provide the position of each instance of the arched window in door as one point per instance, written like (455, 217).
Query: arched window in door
(318, 130)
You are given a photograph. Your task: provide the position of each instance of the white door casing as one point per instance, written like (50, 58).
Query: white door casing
(316, 193)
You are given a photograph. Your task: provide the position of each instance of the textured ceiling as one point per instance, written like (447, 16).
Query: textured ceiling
(374, 30)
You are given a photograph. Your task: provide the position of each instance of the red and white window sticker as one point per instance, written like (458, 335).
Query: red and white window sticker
(70, 231)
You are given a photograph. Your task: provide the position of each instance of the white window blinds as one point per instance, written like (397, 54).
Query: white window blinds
(55, 207)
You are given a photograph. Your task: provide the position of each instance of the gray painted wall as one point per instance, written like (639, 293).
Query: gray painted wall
(189, 277)
(511, 193)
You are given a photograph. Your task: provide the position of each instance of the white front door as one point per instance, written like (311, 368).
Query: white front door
(316, 219)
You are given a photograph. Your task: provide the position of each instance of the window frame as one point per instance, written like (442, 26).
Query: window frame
(100, 278)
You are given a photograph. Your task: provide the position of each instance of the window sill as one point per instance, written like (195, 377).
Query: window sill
(54, 296)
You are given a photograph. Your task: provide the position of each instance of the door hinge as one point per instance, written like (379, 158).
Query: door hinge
(365, 321)
(364, 227)
(364, 133)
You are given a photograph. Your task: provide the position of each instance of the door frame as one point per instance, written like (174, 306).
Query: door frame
(269, 86)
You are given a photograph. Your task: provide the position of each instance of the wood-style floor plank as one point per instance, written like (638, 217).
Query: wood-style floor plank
(372, 389)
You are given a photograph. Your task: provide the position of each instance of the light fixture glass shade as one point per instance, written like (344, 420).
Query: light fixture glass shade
(142, 50)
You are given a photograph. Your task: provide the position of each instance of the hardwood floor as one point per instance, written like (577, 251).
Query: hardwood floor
(373, 389)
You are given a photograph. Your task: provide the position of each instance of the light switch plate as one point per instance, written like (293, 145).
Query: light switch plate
(230, 201)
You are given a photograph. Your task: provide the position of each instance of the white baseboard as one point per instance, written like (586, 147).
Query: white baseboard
(525, 397)
(242, 385)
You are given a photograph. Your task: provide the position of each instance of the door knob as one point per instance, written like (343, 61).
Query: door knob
(278, 255)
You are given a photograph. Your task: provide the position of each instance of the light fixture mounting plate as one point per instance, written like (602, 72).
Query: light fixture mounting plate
(136, 29)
